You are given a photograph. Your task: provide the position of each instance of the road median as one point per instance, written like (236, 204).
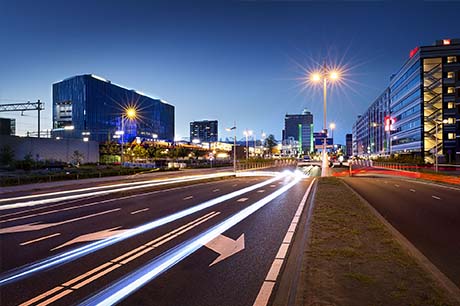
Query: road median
(353, 258)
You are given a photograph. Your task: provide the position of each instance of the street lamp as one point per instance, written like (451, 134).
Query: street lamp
(247, 133)
(436, 122)
(325, 75)
(234, 144)
(129, 113)
(332, 127)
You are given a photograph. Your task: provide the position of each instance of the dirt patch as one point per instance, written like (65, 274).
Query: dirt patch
(352, 258)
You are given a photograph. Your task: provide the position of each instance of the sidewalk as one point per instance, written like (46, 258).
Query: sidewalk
(353, 258)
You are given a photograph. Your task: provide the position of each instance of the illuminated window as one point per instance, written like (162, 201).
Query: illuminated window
(450, 120)
(450, 90)
(451, 59)
(450, 75)
(451, 136)
(446, 41)
(451, 105)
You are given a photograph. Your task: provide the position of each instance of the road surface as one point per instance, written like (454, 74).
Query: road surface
(144, 247)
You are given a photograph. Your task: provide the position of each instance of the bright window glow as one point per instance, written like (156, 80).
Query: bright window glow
(446, 41)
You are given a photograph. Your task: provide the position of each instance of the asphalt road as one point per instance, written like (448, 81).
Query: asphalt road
(428, 215)
(64, 251)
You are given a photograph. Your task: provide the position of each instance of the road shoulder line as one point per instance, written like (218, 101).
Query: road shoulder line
(424, 262)
(281, 280)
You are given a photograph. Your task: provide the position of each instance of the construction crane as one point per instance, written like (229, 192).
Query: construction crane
(22, 107)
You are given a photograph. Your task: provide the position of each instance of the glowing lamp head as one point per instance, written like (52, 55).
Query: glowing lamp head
(334, 75)
(315, 77)
(131, 113)
(332, 126)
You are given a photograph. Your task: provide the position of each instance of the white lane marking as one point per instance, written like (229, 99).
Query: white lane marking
(36, 227)
(92, 236)
(39, 239)
(280, 183)
(234, 185)
(242, 199)
(117, 262)
(216, 190)
(264, 293)
(225, 247)
(412, 190)
(188, 198)
(261, 190)
(274, 270)
(396, 185)
(273, 186)
(282, 251)
(435, 197)
(139, 211)
(267, 287)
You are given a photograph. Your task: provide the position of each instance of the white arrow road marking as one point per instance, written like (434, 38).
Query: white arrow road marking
(36, 227)
(93, 236)
(225, 247)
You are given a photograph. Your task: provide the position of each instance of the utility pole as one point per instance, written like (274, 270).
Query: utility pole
(39, 108)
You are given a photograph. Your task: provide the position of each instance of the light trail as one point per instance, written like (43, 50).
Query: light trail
(104, 192)
(148, 183)
(74, 254)
(134, 281)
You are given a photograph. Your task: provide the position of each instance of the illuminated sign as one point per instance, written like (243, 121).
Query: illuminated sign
(389, 123)
(446, 41)
(413, 52)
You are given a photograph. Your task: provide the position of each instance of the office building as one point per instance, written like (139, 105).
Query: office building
(298, 130)
(204, 131)
(369, 133)
(424, 97)
(7, 126)
(90, 107)
(349, 144)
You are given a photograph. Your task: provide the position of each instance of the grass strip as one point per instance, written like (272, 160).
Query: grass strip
(353, 259)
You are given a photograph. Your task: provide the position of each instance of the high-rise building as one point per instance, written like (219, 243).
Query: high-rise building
(298, 129)
(349, 144)
(7, 126)
(204, 131)
(88, 106)
(424, 107)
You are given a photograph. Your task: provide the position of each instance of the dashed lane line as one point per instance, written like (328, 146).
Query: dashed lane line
(139, 211)
(242, 200)
(39, 239)
(188, 198)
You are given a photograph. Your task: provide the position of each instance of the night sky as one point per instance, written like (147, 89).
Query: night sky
(228, 61)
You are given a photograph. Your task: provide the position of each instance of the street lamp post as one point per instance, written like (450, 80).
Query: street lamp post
(325, 74)
(234, 144)
(247, 134)
(129, 113)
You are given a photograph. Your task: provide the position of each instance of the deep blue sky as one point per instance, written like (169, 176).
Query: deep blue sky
(216, 60)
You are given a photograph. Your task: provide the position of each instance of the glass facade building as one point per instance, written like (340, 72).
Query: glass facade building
(204, 131)
(298, 129)
(92, 107)
(424, 107)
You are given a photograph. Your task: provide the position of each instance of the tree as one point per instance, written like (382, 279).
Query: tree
(77, 158)
(109, 148)
(270, 143)
(139, 152)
